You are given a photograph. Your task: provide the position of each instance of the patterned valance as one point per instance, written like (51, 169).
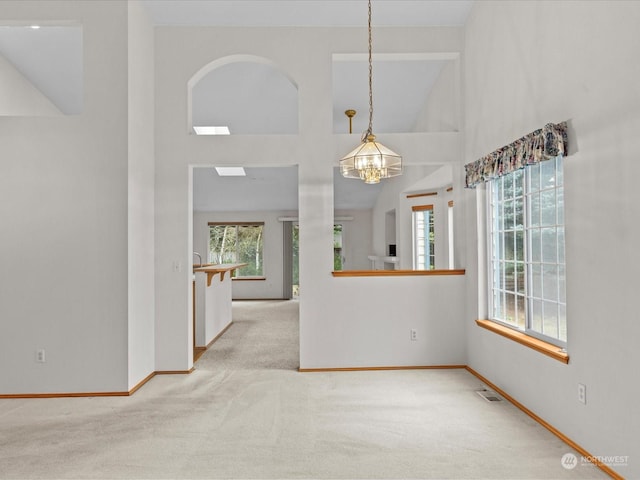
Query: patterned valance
(543, 144)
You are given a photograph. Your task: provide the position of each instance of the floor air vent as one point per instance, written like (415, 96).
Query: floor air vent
(489, 396)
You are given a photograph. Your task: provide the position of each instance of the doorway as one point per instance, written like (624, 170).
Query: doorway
(291, 260)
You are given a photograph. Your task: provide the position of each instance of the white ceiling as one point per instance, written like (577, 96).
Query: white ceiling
(270, 189)
(51, 58)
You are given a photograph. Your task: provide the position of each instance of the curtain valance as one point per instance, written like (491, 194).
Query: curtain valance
(543, 144)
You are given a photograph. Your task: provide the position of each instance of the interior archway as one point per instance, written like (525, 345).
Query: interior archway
(248, 94)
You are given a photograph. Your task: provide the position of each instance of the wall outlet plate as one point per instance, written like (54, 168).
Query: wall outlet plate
(582, 393)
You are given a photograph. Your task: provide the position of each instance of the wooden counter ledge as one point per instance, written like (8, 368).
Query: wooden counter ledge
(221, 268)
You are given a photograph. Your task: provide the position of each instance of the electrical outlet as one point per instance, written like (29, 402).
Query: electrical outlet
(582, 393)
(40, 356)
(414, 334)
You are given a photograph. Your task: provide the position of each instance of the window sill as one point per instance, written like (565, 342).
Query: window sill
(248, 279)
(541, 346)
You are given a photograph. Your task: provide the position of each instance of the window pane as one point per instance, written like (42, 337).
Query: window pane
(519, 247)
(519, 212)
(510, 276)
(536, 280)
(560, 205)
(562, 296)
(520, 317)
(561, 245)
(518, 183)
(535, 248)
(562, 323)
(250, 249)
(508, 245)
(497, 305)
(559, 171)
(520, 278)
(536, 315)
(507, 185)
(534, 210)
(549, 245)
(510, 309)
(222, 244)
(508, 215)
(337, 247)
(502, 277)
(533, 172)
(550, 321)
(550, 282)
(547, 174)
(548, 207)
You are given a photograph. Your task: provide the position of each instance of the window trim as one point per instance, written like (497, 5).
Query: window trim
(499, 326)
(519, 336)
(414, 209)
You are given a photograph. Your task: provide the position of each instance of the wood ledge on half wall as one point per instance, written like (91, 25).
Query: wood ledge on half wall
(396, 273)
(221, 268)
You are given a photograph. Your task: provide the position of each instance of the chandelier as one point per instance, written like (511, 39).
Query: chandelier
(371, 161)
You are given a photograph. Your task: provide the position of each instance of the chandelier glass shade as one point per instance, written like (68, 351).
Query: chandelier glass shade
(371, 161)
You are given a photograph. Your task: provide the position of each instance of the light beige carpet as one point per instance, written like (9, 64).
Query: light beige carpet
(247, 413)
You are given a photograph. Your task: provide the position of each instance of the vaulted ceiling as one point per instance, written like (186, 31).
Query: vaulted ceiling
(50, 58)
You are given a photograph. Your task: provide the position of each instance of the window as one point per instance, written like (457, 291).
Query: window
(526, 258)
(450, 234)
(337, 248)
(238, 243)
(423, 238)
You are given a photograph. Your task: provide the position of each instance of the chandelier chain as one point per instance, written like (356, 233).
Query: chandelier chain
(370, 130)
(370, 161)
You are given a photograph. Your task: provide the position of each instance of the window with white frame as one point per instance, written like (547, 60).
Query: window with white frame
(424, 256)
(526, 250)
(450, 234)
(238, 243)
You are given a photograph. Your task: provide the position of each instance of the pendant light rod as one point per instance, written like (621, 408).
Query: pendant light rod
(350, 113)
(370, 161)
(370, 130)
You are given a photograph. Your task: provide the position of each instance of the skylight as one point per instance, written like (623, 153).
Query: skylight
(205, 130)
(231, 171)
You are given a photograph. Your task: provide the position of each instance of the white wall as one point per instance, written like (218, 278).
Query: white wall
(214, 311)
(441, 112)
(141, 186)
(376, 316)
(529, 63)
(305, 55)
(356, 238)
(63, 210)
